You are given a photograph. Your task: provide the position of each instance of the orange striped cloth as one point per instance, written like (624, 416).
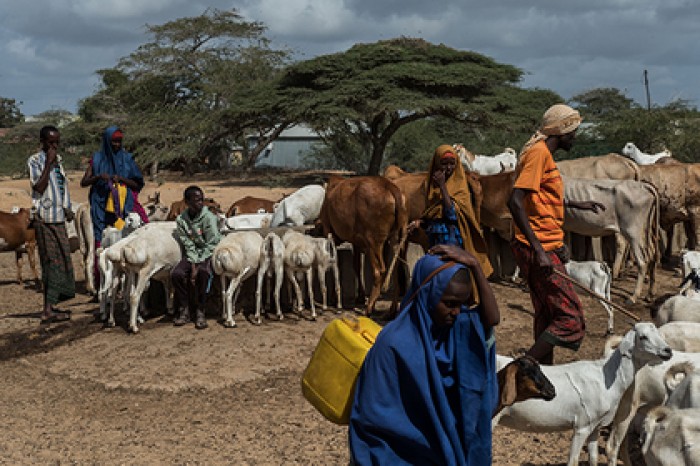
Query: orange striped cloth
(538, 175)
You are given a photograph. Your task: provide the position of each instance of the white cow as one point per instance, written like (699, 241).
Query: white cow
(236, 257)
(301, 207)
(152, 252)
(588, 392)
(631, 214)
(631, 151)
(271, 263)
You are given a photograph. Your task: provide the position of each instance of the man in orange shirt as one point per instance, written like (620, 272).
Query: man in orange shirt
(537, 205)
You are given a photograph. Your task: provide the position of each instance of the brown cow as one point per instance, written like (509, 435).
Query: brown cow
(251, 205)
(15, 235)
(367, 212)
(178, 207)
(679, 198)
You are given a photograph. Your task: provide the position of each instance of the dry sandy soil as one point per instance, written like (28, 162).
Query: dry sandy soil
(75, 393)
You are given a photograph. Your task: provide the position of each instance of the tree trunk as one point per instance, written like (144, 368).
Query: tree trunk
(375, 163)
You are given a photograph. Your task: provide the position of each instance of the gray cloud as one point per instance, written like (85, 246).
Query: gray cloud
(50, 58)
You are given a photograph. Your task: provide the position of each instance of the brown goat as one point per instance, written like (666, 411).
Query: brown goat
(520, 380)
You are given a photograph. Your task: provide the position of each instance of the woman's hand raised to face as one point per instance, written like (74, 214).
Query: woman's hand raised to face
(449, 252)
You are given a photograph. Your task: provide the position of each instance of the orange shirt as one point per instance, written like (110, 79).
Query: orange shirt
(539, 176)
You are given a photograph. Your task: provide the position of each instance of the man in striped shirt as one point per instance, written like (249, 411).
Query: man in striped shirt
(51, 206)
(537, 205)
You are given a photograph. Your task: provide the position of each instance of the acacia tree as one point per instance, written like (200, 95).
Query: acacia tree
(173, 93)
(370, 91)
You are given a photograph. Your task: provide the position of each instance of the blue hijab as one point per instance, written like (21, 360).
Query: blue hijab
(425, 395)
(107, 161)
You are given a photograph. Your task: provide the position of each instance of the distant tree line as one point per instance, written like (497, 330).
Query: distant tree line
(203, 85)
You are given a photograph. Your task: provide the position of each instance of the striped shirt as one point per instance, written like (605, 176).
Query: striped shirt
(537, 174)
(49, 205)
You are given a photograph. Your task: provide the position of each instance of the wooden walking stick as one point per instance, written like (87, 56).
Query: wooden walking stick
(617, 307)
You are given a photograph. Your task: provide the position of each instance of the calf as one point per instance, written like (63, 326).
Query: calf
(236, 257)
(17, 236)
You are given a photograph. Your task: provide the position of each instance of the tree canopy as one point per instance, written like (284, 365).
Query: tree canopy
(370, 91)
(172, 93)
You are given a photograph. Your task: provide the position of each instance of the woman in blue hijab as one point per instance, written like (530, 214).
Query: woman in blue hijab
(110, 166)
(428, 387)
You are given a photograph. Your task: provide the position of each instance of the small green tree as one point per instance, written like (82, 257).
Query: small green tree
(10, 114)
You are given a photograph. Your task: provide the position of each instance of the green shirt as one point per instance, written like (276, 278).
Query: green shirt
(199, 236)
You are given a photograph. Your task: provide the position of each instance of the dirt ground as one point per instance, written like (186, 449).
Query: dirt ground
(75, 393)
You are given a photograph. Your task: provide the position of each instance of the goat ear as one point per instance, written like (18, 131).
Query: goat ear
(508, 384)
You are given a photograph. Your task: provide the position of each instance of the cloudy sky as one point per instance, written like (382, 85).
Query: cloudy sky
(50, 49)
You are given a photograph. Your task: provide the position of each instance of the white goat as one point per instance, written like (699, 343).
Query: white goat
(152, 251)
(671, 437)
(271, 263)
(299, 259)
(648, 388)
(588, 392)
(247, 221)
(631, 151)
(485, 164)
(325, 257)
(236, 257)
(596, 276)
(301, 207)
(682, 336)
(683, 386)
(678, 308)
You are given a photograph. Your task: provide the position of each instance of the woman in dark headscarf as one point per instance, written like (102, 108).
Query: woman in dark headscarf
(449, 216)
(111, 170)
(428, 387)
